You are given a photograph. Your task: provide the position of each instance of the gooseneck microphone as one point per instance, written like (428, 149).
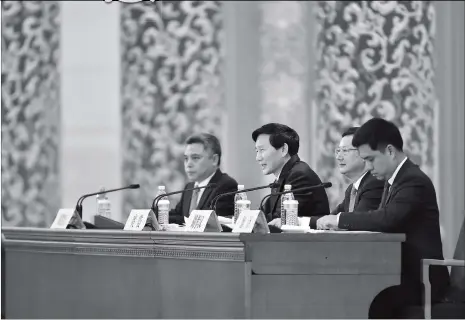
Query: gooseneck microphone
(81, 199)
(215, 200)
(318, 186)
(157, 198)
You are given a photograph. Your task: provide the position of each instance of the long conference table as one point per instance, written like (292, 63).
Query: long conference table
(128, 274)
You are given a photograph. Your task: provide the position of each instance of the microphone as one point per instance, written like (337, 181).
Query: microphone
(157, 198)
(81, 199)
(215, 200)
(322, 185)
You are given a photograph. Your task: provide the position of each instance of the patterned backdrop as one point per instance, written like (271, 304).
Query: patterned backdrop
(375, 58)
(172, 87)
(30, 112)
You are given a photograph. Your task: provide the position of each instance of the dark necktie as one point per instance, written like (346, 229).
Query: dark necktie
(385, 195)
(194, 198)
(353, 196)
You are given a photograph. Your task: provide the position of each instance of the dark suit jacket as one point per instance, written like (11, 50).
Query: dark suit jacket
(370, 191)
(299, 175)
(224, 206)
(411, 208)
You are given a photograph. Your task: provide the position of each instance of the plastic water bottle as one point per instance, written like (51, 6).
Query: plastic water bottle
(284, 197)
(237, 205)
(292, 215)
(103, 204)
(241, 206)
(163, 206)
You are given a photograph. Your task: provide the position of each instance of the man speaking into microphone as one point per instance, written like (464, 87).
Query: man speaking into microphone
(276, 148)
(202, 159)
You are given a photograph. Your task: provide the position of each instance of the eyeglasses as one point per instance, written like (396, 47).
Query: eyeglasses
(345, 151)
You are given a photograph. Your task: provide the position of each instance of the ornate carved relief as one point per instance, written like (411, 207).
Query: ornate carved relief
(30, 112)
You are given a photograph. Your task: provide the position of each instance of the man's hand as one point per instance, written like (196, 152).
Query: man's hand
(275, 222)
(327, 222)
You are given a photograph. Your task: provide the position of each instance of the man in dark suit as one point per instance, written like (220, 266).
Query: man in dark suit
(408, 206)
(365, 191)
(202, 159)
(276, 147)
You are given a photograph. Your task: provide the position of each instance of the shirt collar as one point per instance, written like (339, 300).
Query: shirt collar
(204, 182)
(356, 184)
(281, 170)
(393, 177)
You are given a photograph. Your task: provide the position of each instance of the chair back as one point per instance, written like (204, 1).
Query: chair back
(457, 274)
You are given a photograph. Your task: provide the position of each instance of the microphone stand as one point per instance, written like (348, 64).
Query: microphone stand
(323, 185)
(215, 200)
(81, 199)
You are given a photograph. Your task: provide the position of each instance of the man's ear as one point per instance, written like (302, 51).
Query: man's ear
(285, 149)
(391, 150)
(216, 158)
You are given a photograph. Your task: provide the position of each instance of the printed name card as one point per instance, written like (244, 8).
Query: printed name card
(251, 221)
(138, 218)
(65, 217)
(203, 221)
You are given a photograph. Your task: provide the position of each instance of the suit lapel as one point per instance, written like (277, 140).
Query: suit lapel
(407, 164)
(207, 192)
(360, 188)
(187, 197)
(282, 179)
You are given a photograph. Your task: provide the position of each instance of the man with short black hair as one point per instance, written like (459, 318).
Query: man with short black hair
(202, 159)
(276, 147)
(408, 206)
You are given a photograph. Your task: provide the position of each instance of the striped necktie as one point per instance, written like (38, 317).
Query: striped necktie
(387, 186)
(353, 196)
(194, 199)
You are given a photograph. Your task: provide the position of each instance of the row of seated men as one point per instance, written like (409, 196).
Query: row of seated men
(388, 193)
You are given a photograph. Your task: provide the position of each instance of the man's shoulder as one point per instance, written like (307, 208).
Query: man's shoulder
(371, 182)
(226, 179)
(412, 174)
(301, 166)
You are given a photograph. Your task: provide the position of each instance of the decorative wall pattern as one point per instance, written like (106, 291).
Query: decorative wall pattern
(375, 58)
(30, 112)
(172, 86)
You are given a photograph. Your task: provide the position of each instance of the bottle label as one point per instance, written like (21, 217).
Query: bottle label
(163, 211)
(291, 212)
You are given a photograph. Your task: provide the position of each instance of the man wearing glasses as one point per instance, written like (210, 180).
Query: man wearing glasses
(365, 191)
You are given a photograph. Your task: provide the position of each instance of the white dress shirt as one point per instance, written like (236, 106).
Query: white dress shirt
(393, 177)
(203, 183)
(356, 184)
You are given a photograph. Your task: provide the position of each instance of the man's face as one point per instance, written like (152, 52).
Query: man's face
(381, 164)
(347, 158)
(198, 162)
(270, 159)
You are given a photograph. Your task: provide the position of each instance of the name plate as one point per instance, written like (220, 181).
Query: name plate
(138, 218)
(203, 221)
(65, 217)
(251, 221)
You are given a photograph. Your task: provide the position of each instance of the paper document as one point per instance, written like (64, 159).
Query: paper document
(224, 220)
